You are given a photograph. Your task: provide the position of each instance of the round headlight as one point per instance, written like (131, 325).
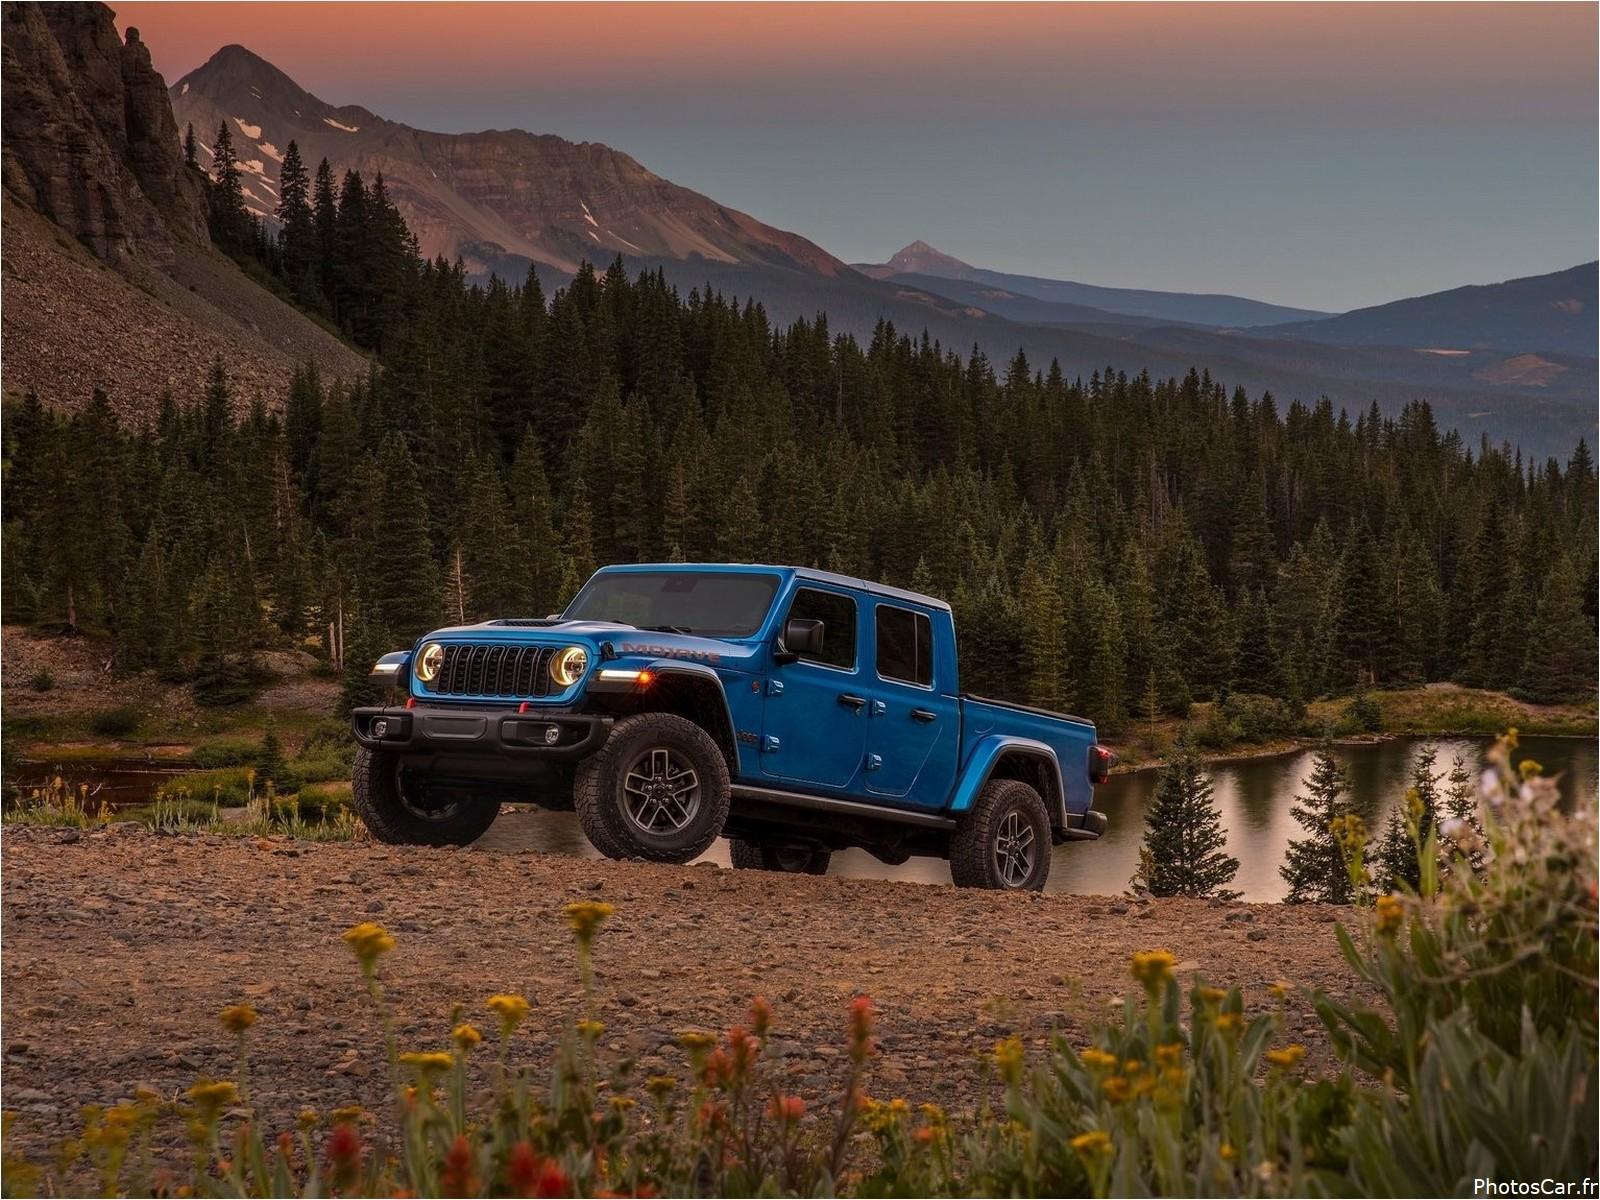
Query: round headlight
(568, 665)
(429, 662)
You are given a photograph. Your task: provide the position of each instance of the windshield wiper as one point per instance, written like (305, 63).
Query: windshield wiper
(665, 628)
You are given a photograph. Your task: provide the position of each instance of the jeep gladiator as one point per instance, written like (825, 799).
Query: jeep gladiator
(795, 712)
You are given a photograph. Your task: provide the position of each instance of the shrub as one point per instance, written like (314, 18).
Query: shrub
(42, 681)
(225, 752)
(116, 722)
(225, 787)
(1363, 715)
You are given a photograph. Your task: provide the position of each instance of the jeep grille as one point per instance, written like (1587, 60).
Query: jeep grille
(494, 670)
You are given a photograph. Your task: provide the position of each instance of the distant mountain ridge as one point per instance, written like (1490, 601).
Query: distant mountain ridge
(497, 198)
(1223, 311)
(1554, 312)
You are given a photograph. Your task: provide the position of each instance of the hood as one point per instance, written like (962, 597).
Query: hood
(626, 641)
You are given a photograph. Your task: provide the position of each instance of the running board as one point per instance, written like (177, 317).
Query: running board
(850, 808)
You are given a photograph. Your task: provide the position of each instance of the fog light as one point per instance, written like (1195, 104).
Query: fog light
(380, 728)
(552, 734)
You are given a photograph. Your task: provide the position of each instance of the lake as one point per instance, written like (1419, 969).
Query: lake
(1254, 796)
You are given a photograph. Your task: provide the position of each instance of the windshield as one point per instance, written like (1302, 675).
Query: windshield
(717, 604)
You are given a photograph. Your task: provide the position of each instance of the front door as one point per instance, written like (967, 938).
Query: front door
(815, 730)
(913, 725)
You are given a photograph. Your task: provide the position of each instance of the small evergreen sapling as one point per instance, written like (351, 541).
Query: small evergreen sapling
(1183, 836)
(1409, 826)
(1315, 868)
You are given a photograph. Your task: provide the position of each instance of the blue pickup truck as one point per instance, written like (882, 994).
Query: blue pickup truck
(795, 712)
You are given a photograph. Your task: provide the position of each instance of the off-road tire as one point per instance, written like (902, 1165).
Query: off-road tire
(375, 791)
(974, 861)
(756, 856)
(600, 800)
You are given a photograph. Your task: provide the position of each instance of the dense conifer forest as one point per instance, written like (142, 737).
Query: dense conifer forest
(1113, 545)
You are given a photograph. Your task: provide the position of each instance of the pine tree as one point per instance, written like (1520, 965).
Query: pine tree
(191, 147)
(1315, 867)
(1561, 643)
(297, 239)
(1184, 842)
(228, 217)
(1044, 618)
(270, 764)
(1409, 826)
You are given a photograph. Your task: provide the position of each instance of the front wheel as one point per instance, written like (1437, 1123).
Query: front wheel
(400, 807)
(1003, 843)
(791, 860)
(657, 790)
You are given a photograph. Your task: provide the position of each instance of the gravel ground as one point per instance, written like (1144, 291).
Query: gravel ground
(121, 945)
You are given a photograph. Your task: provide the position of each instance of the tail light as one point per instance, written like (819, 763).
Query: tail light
(1100, 762)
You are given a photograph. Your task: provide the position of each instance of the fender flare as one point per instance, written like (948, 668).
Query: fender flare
(987, 755)
(726, 737)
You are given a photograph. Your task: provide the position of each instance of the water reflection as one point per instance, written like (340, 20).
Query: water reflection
(1253, 795)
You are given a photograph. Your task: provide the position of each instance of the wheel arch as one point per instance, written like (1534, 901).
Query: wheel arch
(696, 694)
(1003, 757)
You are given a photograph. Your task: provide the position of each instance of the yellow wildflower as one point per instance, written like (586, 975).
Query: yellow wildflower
(1211, 995)
(1116, 1088)
(1391, 913)
(368, 940)
(1169, 1053)
(308, 1118)
(1230, 1022)
(236, 1018)
(212, 1096)
(427, 1061)
(899, 1106)
(660, 1085)
(623, 1103)
(591, 1030)
(466, 1036)
(348, 1114)
(510, 1009)
(1097, 1059)
(1008, 1056)
(1092, 1144)
(1281, 989)
(1153, 968)
(1227, 1152)
(585, 917)
(1288, 1057)
(695, 1040)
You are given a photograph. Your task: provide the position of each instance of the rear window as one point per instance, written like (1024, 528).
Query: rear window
(905, 646)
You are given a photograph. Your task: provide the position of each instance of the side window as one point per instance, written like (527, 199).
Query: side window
(838, 616)
(905, 646)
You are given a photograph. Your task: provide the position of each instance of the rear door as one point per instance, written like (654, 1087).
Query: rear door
(913, 723)
(816, 719)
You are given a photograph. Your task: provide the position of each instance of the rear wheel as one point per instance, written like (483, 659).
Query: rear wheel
(401, 807)
(658, 790)
(792, 860)
(1003, 843)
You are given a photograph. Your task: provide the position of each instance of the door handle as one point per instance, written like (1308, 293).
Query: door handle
(855, 702)
(924, 715)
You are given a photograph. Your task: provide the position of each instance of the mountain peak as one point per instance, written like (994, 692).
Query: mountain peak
(920, 258)
(497, 198)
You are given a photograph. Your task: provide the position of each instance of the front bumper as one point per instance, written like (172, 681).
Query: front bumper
(497, 736)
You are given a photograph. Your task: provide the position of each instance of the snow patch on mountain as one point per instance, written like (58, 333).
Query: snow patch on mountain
(337, 125)
(270, 151)
(249, 130)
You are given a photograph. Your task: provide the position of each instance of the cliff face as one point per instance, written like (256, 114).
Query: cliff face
(497, 199)
(90, 140)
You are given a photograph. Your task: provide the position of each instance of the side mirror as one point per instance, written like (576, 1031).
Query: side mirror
(390, 670)
(801, 635)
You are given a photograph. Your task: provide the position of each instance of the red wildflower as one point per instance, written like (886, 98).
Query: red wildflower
(342, 1152)
(761, 1017)
(861, 1014)
(456, 1177)
(786, 1108)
